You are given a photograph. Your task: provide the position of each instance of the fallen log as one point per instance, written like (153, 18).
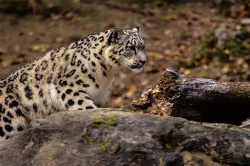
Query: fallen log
(198, 99)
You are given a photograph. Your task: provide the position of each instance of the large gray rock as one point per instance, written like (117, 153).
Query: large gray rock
(115, 137)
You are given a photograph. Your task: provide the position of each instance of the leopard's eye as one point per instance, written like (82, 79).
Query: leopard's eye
(132, 48)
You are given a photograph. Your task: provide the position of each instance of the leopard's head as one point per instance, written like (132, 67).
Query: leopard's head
(130, 48)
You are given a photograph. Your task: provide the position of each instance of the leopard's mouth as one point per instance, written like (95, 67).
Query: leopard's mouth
(136, 67)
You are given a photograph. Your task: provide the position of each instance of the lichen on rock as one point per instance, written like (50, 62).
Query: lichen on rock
(69, 138)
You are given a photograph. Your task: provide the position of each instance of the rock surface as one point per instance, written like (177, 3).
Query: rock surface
(117, 137)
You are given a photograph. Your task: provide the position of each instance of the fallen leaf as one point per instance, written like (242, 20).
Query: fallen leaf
(31, 33)
(69, 15)
(226, 51)
(2, 51)
(59, 39)
(226, 69)
(17, 61)
(187, 72)
(151, 69)
(132, 90)
(158, 36)
(171, 17)
(17, 48)
(35, 48)
(40, 47)
(6, 63)
(157, 55)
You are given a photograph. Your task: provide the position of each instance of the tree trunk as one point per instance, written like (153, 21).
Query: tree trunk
(198, 99)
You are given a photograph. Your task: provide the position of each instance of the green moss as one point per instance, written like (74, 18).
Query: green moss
(226, 7)
(169, 147)
(21, 55)
(99, 123)
(223, 6)
(104, 145)
(237, 47)
(88, 11)
(184, 35)
(228, 128)
(227, 155)
(209, 43)
(178, 149)
(88, 139)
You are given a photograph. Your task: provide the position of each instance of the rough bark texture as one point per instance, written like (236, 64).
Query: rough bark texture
(198, 99)
(114, 137)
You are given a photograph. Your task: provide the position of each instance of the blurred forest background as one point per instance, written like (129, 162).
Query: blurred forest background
(199, 38)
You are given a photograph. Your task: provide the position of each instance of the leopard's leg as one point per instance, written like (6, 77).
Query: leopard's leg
(12, 119)
(72, 98)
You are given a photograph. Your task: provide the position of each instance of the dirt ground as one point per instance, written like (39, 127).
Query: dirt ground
(172, 36)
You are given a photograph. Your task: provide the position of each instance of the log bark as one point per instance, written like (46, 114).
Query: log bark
(199, 99)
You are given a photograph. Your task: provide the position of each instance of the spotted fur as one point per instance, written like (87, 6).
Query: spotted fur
(74, 77)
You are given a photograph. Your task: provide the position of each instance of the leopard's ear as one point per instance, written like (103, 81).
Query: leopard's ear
(136, 29)
(115, 36)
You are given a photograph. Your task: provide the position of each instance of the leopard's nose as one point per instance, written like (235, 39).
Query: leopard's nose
(143, 61)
